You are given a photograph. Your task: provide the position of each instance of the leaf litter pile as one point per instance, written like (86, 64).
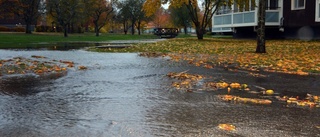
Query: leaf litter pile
(285, 56)
(38, 65)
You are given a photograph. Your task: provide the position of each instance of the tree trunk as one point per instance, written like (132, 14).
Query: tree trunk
(65, 28)
(125, 28)
(185, 29)
(132, 28)
(199, 32)
(28, 30)
(261, 48)
(96, 28)
(97, 31)
(138, 27)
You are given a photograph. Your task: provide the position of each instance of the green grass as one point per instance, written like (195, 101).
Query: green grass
(8, 40)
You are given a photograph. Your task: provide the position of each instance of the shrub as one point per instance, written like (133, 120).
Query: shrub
(208, 33)
(103, 30)
(43, 28)
(19, 29)
(3, 28)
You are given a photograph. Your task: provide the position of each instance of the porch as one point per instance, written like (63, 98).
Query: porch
(229, 17)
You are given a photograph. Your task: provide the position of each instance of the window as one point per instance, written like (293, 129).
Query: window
(272, 4)
(298, 4)
(317, 10)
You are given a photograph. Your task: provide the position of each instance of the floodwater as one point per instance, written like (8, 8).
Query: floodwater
(122, 94)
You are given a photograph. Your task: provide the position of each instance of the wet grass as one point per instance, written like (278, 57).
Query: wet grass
(8, 40)
(289, 56)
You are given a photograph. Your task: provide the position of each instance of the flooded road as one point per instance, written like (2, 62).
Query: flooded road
(122, 94)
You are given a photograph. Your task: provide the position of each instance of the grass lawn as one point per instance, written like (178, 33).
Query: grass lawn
(289, 56)
(8, 40)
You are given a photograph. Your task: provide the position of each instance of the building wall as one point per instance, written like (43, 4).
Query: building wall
(301, 24)
(250, 33)
(298, 24)
(299, 18)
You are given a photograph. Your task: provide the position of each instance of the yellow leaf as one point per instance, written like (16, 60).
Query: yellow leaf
(227, 127)
(269, 92)
(235, 85)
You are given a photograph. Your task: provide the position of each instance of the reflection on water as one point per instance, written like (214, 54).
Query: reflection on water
(127, 95)
(23, 85)
(54, 46)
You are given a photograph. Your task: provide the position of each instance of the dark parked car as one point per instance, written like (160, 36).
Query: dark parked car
(166, 32)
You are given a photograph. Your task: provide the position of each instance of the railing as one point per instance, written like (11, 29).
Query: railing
(229, 18)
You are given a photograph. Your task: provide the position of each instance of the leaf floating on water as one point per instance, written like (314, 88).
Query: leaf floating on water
(152, 54)
(66, 62)
(311, 101)
(184, 75)
(11, 71)
(245, 100)
(39, 65)
(227, 127)
(184, 80)
(35, 56)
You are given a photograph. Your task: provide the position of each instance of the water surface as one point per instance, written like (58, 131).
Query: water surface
(122, 94)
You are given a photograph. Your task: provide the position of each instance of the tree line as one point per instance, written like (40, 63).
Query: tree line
(129, 13)
(69, 14)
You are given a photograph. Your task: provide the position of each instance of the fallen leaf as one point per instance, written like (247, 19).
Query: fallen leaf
(235, 85)
(34, 56)
(269, 92)
(227, 127)
(245, 100)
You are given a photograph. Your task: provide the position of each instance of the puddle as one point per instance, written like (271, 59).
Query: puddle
(123, 94)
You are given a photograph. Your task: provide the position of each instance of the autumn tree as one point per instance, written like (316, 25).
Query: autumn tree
(65, 12)
(161, 18)
(180, 17)
(2, 9)
(139, 15)
(122, 16)
(100, 11)
(208, 7)
(132, 10)
(27, 10)
(122, 19)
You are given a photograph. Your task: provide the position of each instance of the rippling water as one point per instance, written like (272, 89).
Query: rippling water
(122, 94)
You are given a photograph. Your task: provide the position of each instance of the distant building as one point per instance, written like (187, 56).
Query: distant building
(11, 20)
(284, 19)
